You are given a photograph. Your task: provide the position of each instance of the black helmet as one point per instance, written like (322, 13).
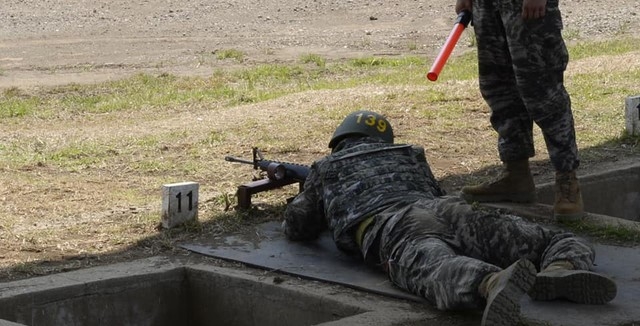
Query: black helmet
(364, 123)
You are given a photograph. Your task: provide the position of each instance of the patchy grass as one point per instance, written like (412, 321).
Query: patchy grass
(611, 47)
(615, 234)
(234, 54)
(315, 59)
(82, 165)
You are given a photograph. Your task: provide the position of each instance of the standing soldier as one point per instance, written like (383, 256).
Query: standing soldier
(521, 59)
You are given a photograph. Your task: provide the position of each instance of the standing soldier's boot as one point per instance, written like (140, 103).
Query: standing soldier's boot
(503, 291)
(568, 204)
(514, 184)
(560, 281)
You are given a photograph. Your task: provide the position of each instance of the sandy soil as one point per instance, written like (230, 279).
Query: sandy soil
(52, 42)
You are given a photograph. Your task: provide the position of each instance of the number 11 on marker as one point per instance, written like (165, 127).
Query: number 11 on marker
(179, 197)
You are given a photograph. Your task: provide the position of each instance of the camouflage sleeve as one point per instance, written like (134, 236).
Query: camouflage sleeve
(421, 157)
(304, 216)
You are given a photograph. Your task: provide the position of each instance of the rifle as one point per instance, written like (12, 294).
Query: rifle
(279, 174)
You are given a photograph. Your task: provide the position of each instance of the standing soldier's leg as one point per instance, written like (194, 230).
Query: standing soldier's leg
(539, 58)
(509, 116)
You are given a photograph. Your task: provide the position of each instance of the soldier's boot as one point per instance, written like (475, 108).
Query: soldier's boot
(503, 291)
(568, 204)
(561, 281)
(514, 184)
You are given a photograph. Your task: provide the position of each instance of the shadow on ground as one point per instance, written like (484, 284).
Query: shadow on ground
(164, 242)
(595, 159)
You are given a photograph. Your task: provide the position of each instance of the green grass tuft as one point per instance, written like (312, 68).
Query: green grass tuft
(615, 46)
(237, 55)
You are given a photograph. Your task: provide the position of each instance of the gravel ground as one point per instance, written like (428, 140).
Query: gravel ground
(51, 42)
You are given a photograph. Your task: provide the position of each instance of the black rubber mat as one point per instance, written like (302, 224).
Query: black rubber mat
(265, 246)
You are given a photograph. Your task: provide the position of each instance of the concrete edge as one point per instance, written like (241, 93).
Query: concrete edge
(137, 268)
(9, 323)
(544, 212)
(374, 308)
(371, 308)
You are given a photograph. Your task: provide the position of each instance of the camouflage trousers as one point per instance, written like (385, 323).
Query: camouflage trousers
(441, 249)
(521, 77)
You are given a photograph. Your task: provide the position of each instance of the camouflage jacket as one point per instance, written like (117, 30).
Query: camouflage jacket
(360, 179)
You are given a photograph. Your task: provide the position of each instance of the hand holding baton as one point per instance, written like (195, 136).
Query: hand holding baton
(463, 20)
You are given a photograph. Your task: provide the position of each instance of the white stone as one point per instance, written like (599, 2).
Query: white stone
(632, 115)
(179, 203)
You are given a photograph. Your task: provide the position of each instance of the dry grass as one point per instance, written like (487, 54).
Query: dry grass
(80, 189)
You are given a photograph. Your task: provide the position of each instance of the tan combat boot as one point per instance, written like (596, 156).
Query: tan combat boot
(503, 291)
(561, 281)
(568, 204)
(514, 184)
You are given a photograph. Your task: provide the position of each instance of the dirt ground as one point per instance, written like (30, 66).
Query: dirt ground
(56, 42)
(51, 42)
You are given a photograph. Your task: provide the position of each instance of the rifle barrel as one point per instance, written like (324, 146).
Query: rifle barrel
(238, 160)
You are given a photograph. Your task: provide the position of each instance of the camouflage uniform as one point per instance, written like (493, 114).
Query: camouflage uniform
(432, 245)
(521, 67)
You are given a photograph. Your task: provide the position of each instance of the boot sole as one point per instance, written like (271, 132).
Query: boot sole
(503, 304)
(577, 286)
(516, 198)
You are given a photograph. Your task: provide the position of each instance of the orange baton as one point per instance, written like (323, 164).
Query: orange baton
(463, 20)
